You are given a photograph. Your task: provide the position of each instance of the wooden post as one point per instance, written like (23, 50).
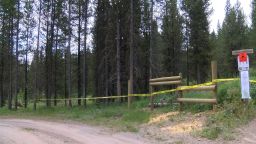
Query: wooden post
(180, 95)
(180, 74)
(214, 70)
(214, 77)
(129, 93)
(151, 97)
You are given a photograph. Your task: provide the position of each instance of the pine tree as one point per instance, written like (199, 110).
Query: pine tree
(8, 17)
(28, 37)
(234, 36)
(253, 31)
(79, 76)
(198, 12)
(100, 34)
(172, 37)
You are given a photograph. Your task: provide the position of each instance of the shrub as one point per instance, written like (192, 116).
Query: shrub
(229, 92)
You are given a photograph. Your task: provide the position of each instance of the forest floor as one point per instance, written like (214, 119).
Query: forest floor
(166, 128)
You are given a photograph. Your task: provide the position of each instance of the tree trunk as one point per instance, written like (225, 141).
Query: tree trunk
(55, 68)
(17, 58)
(118, 56)
(53, 17)
(187, 54)
(65, 75)
(37, 55)
(151, 39)
(11, 64)
(198, 73)
(79, 93)
(47, 61)
(131, 45)
(26, 70)
(85, 51)
(2, 99)
(69, 56)
(106, 76)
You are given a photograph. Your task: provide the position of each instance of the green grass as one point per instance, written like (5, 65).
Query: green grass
(231, 112)
(195, 108)
(224, 122)
(116, 116)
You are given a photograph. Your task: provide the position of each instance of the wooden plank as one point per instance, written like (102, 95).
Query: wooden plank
(201, 88)
(195, 100)
(174, 78)
(248, 51)
(164, 83)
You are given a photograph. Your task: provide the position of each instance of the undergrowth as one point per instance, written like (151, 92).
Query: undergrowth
(231, 112)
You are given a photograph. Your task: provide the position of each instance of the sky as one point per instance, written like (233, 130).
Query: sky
(219, 11)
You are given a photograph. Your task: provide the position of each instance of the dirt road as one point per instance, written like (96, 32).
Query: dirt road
(20, 131)
(247, 134)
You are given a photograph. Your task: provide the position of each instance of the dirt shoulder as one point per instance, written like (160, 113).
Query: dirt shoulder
(176, 127)
(247, 134)
(183, 128)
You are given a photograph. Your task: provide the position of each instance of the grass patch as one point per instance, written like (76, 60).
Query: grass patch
(114, 115)
(199, 107)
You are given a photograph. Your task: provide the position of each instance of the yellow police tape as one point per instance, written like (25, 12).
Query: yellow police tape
(154, 93)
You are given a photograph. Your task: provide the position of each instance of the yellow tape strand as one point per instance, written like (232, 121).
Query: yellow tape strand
(253, 81)
(90, 98)
(155, 93)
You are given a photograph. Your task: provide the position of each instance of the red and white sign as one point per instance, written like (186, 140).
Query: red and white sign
(243, 61)
(243, 57)
(243, 67)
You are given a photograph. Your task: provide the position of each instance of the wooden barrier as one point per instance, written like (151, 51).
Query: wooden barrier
(165, 79)
(175, 80)
(165, 83)
(211, 88)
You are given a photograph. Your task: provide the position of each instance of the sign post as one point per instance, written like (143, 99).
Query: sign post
(243, 67)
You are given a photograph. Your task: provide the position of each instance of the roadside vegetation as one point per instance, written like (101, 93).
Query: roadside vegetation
(113, 115)
(229, 114)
